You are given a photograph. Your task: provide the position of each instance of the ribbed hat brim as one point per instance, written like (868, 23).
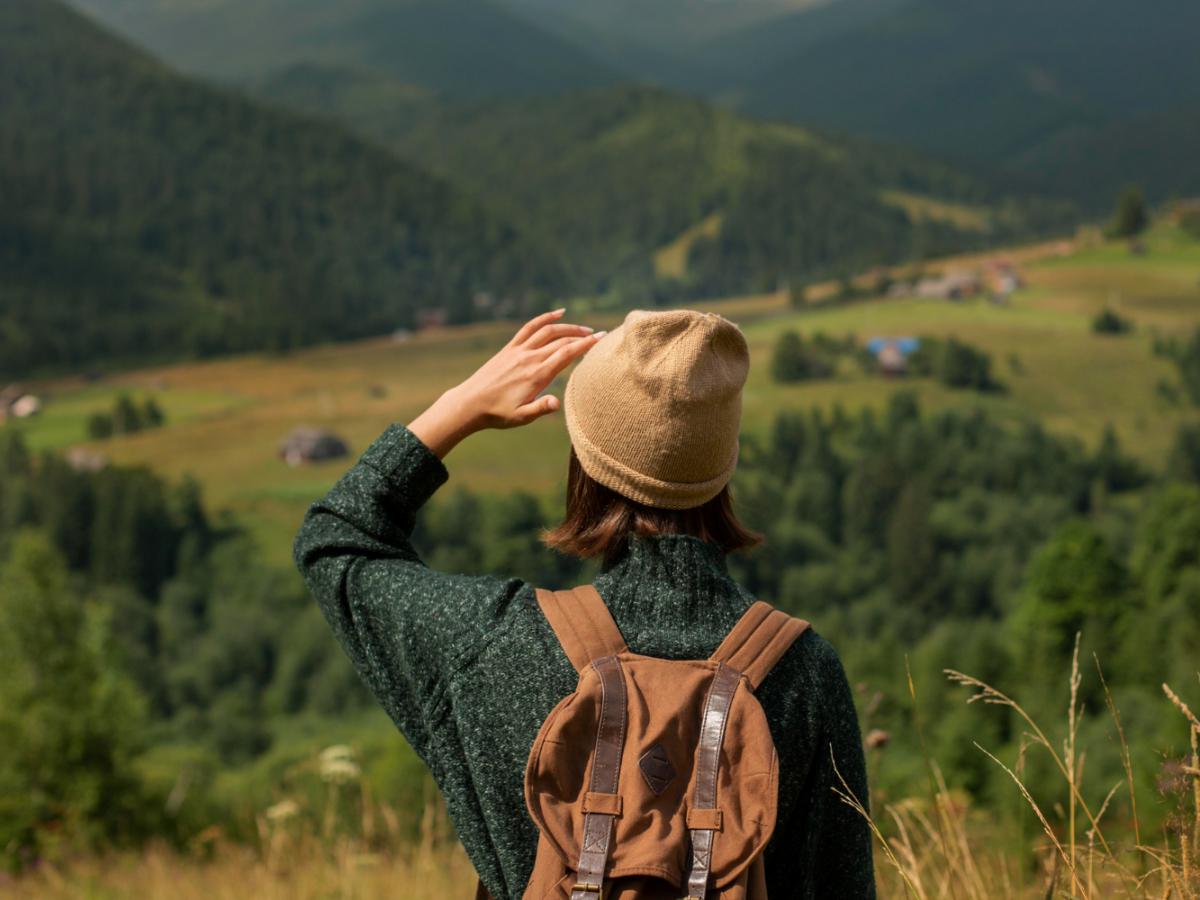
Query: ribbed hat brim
(637, 486)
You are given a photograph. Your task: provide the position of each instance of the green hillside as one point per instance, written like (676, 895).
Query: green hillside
(146, 215)
(469, 47)
(612, 176)
(989, 81)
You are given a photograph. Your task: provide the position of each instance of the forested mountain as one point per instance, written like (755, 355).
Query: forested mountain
(1010, 83)
(1159, 151)
(1079, 97)
(147, 214)
(611, 176)
(468, 47)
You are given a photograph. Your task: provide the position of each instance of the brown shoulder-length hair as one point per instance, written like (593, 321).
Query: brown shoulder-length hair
(599, 521)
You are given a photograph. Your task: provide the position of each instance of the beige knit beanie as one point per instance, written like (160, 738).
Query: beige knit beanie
(653, 409)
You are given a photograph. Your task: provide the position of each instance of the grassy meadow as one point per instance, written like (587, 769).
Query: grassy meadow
(226, 417)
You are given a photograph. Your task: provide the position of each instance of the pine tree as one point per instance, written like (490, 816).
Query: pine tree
(1131, 217)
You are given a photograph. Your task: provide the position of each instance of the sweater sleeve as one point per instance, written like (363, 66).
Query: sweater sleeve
(833, 857)
(403, 625)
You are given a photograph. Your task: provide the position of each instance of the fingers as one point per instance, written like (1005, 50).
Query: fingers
(551, 347)
(571, 349)
(530, 327)
(535, 409)
(548, 333)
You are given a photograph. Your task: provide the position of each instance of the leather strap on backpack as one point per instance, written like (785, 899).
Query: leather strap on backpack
(602, 804)
(758, 641)
(590, 637)
(703, 814)
(582, 624)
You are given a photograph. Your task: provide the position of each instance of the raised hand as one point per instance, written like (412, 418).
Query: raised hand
(506, 391)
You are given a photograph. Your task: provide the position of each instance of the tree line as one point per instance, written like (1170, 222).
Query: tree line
(944, 539)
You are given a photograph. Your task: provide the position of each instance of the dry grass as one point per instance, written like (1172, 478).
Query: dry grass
(344, 845)
(237, 873)
(933, 848)
(930, 846)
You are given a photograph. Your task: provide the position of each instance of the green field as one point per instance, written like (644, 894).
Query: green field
(226, 417)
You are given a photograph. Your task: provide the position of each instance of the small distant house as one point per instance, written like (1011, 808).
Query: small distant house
(431, 318)
(891, 361)
(16, 404)
(1003, 280)
(954, 285)
(84, 460)
(891, 354)
(307, 444)
(25, 406)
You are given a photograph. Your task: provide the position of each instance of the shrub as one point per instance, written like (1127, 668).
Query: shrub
(126, 417)
(1110, 322)
(955, 363)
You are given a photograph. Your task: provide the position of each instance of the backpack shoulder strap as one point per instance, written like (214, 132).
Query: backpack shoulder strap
(582, 624)
(758, 641)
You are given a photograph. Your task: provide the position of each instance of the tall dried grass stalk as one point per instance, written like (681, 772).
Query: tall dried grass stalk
(929, 851)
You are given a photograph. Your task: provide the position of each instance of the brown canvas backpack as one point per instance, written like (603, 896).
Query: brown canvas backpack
(656, 779)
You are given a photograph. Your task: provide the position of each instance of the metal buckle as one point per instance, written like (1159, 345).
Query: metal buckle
(588, 888)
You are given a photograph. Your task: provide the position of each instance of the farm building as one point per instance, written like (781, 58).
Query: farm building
(307, 444)
(16, 404)
(84, 460)
(431, 318)
(953, 285)
(892, 353)
(1003, 278)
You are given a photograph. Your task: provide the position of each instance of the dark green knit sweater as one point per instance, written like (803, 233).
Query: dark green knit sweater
(468, 668)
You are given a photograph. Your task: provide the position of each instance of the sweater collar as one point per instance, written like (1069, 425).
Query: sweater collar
(673, 558)
(662, 589)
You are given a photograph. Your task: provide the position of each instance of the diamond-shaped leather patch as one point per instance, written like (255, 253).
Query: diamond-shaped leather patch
(656, 768)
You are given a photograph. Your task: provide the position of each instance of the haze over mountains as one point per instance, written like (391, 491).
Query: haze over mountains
(1094, 89)
(463, 47)
(477, 155)
(1006, 83)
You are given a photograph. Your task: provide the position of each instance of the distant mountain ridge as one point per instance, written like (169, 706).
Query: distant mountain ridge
(147, 215)
(1077, 96)
(1012, 84)
(464, 47)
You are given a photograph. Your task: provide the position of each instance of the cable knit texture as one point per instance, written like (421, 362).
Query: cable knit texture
(468, 669)
(654, 408)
